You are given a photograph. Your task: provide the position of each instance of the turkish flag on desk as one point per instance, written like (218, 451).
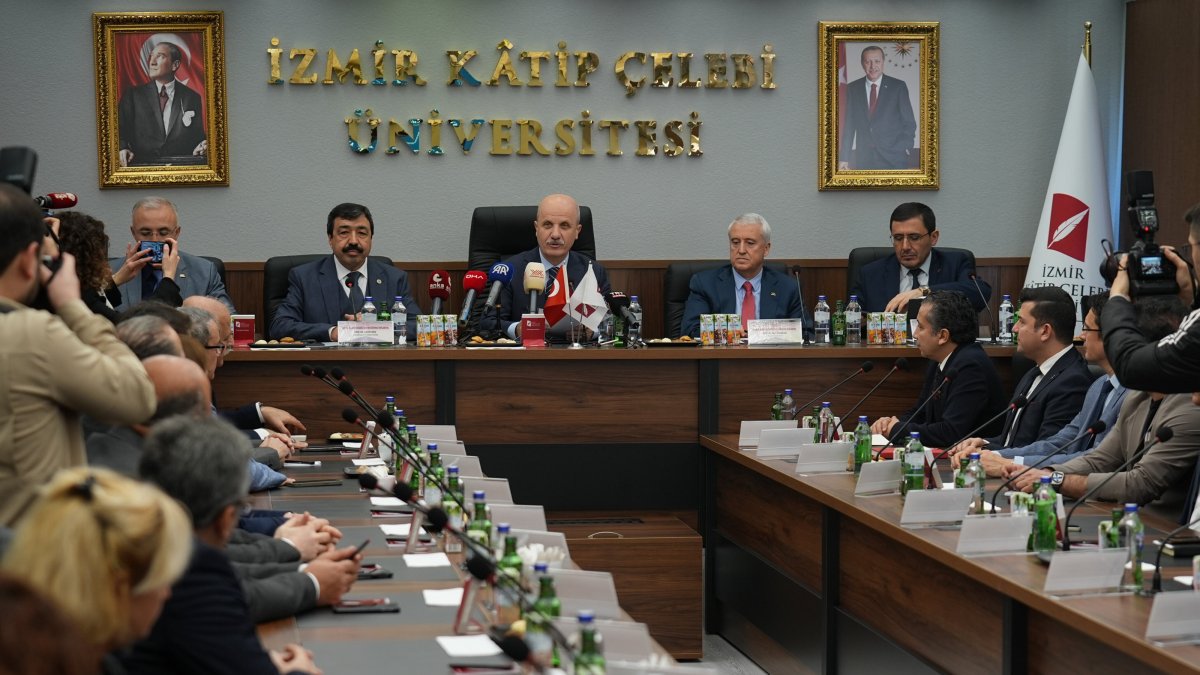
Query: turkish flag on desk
(556, 303)
(1076, 215)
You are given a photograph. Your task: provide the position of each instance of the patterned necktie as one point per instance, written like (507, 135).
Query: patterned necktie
(916, 278)
(874, 98)
(353, 301)
(748, 305)
(162, 99)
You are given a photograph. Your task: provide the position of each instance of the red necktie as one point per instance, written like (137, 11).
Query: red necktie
(874, 98)
(747, 306)
(163, 98)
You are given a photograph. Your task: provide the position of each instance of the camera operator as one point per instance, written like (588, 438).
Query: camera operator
(1172, 365)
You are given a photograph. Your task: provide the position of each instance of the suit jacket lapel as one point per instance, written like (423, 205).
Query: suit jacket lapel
(935, 268)
(181, 277)
(769, 300)
(331, 287)
(725, 295)
(1022, 386)
(176, 111)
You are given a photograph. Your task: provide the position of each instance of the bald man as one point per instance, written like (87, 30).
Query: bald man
(556, 227)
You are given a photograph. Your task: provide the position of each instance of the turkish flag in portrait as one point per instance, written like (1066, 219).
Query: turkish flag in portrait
(133, 49)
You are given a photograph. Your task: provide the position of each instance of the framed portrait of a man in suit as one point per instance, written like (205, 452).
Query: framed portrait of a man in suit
(160, 98)
(878, 105)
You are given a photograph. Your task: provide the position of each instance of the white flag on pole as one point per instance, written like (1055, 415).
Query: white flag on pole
(586, 304)
(1075, 216)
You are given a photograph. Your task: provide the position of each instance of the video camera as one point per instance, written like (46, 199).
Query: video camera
(1150, 273)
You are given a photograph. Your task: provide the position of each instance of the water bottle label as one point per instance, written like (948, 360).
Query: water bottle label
(821, 317)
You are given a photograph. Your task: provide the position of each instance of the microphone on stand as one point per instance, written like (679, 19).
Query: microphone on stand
(535, 282)
(993, 325)
(865, 367)
(900, 364)
(1162, 435)
(947, 375)
(473, 282)
(1156, 587)
(499, 276)
(1093, 431)
(795, 271)
(1017, 404)
(439, 289)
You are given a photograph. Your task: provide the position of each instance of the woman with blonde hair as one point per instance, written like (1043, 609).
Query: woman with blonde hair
(106, 549)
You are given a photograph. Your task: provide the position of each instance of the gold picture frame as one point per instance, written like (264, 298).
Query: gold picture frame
(160, 99)
(899, 103)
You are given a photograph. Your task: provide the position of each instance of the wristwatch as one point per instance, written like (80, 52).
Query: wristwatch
(925, 291)
(1056, 478)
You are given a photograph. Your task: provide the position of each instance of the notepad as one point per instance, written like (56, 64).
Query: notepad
(426, 560)
(468, 645)
(449, 597)
(374, 461)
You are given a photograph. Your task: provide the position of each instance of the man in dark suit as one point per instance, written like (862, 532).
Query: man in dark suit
(1055, 389)
(163, 120)
(945, 335)
(745, 287)
(156, 219)
(879, 126)
(888, 284)
(557, 227)
(332, 289)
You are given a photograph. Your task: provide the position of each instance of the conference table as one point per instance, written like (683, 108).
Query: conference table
(805, 577)
(586, 429)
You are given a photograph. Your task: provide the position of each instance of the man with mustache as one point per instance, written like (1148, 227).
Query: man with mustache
(332, 289)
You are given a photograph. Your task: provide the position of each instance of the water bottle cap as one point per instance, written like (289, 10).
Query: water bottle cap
(821, 298)
(1007, 296)
(633, 298)
(787, 392)
(1130, 508)
(399, 412)
(412, 427)
(541, 567)
(586, 616)
(914, 435)
(478, 495)
(824, 404)
(370, 298)
(390, 399)
(431, 446)
(452, 470)
(853, 298)
(862, 418)
(503, 528)
(974, 455)
(1045, 480)
(398, 298)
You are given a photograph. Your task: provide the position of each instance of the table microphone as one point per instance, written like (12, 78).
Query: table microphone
(1162, 435)
(499, 276)
(473, 282)
(795, 270)
(439, 289)
(947, 375)
(535, 282)
(900, 364)
(1156, 587)
(992, 318)
(1017, 403)
(864, 367)
(1095, 429)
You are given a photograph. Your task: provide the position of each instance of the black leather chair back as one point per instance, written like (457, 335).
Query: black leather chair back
(675, 289)
(865, 255)
(275, 279)
(220, 268)
(498, 232)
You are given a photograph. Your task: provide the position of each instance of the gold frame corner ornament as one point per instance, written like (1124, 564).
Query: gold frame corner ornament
(210, 25)
(925, 176)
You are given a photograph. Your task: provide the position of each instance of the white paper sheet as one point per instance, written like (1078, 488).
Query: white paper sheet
(468, 645)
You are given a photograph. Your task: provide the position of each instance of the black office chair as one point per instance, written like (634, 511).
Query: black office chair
(865, 255)
(220, 268)
(498, 232)
(275, 280)
(675, 289)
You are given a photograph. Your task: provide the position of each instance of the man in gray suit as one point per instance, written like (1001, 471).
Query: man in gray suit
(157, 219)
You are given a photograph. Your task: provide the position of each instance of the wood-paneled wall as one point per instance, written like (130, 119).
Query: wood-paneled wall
(643, 278)
(1162, 108)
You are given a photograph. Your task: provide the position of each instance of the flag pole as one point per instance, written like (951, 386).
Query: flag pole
(1087, 42)
(574, 325)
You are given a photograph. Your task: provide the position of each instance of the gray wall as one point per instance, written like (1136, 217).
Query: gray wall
(1006, 74)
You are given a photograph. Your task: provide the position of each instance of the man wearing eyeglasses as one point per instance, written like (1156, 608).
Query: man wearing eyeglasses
(889, 284)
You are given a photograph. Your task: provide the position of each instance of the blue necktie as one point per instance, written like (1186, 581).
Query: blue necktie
(150, 280)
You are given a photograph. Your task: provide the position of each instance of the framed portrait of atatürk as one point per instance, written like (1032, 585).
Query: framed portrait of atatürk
(878, 105)
(160, 99)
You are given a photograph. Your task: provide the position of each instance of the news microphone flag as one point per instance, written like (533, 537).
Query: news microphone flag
(587, 304)
(555, 307)
(1075, 216)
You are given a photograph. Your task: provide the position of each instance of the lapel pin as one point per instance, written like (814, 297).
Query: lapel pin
(182, 275)
(378, 281)
(772, 294)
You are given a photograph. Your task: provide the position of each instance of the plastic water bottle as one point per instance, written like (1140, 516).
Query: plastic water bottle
(589, 660)
(1006, 319)
(821, 320)
(1133, 531)
(787, 405)
(1045, 511)
(635, 330)
(975, 479)
(400, 322)
(912, 477)
(826, 423)
(368, 310)
(853, 321)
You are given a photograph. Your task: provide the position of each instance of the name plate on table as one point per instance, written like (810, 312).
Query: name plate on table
(1175, 618)
(752, 430)
(624, 641)
(496, 490)
(547, 539)
(1076, 571)
(983, 534)
(581, 589)
(467, 465)
(823, 457)
(923, 508)
(437, 433)
(780, 443)
(878, 478)
(365, 333)
(523, 516)
(775, 332)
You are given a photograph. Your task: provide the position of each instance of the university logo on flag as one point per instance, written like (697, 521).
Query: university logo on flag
(1068, 226)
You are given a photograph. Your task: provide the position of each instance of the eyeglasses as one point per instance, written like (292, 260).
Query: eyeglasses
(1085, 329)
(221, 349)
(912, 238)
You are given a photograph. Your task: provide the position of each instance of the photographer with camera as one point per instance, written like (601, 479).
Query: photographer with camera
(1172, 365)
